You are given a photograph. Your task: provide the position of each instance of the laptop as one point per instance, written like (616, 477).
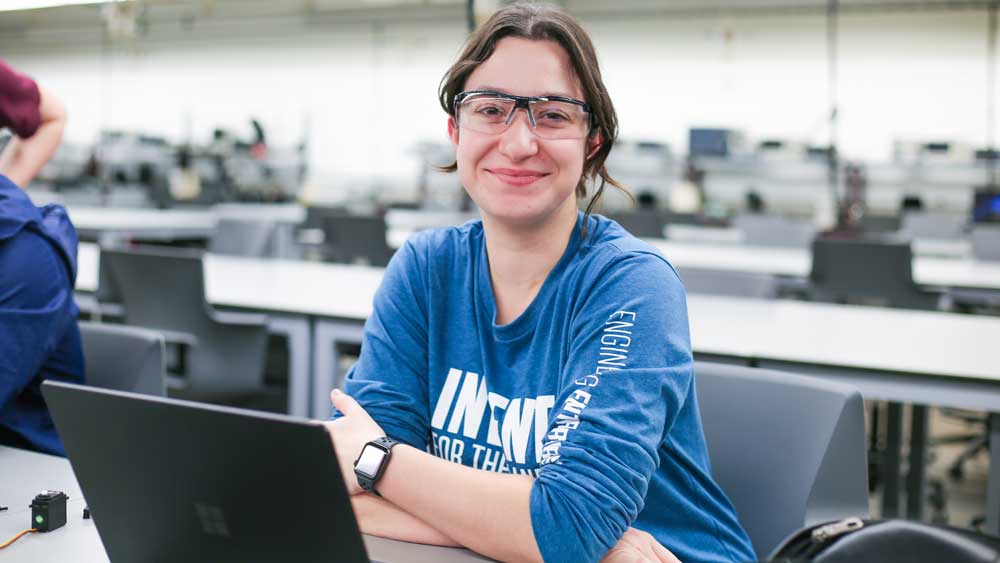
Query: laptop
(170, 480)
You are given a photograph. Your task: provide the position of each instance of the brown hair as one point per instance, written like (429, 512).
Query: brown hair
(544, 23)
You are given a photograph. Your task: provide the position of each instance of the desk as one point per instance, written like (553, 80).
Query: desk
(931, 358)
(945, 248)
(199, 224)
(147, 224)
(796, 263)
(26, 473)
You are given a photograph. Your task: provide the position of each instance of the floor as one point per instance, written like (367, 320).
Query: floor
(965, 498)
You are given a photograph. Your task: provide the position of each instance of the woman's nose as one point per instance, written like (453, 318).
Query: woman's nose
(519, 140)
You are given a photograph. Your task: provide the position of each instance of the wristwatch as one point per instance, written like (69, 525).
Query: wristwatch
(372, 462)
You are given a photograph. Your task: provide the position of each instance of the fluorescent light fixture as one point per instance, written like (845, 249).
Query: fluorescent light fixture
(12, 5)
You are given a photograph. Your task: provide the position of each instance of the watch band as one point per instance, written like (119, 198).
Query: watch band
(367, 483)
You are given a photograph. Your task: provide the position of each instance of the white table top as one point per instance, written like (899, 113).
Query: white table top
(947, 248)
(26, 473)
(896, 340)
(139, 220)
(793, 262)
(119, 218)
(932, 343)
(203, 219)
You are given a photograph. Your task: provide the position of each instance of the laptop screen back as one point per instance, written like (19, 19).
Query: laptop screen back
(170, 480)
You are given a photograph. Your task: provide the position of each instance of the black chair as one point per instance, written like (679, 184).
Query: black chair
(125, 358)
(239, 237)
(788, 450)
(643, 223)
(223, 353)
(774, 230)
(350, 238)
(880, 223)
(734, 284)
(866, 271)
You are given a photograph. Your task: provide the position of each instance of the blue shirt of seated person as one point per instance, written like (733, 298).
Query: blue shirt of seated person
(39, 337)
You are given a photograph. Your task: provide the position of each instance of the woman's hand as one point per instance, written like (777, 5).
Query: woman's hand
(349, 435)
(637, 546)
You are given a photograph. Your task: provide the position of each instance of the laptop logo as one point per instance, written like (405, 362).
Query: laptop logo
(212, 520)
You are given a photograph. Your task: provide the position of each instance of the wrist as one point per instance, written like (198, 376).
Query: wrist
(372, 462)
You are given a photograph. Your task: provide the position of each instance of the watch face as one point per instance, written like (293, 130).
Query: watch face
(368, 463)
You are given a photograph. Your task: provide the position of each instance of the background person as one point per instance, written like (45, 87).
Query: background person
(39, 337)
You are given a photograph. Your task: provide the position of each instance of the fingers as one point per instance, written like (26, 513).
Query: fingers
(656, 551)
(625, 554)
(664, 555)
(644, 543)
(343, 402)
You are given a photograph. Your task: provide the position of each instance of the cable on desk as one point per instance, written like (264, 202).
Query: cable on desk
(17, 537)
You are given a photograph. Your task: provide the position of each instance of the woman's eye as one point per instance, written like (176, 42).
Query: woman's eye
(554, 116)
(488, 108)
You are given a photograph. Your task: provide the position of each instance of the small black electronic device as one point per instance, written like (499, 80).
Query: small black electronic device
(372, 462)
(170, 480)
(48, 511)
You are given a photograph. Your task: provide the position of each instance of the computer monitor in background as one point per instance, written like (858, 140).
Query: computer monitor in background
(705, 141)
(986, 205)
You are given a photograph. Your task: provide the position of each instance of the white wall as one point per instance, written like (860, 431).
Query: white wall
(368, 91)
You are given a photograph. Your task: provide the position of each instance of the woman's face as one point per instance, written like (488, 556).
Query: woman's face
(515, 176)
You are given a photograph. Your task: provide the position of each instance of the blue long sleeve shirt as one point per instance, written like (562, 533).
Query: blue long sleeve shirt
(590, 390)
(39, 337)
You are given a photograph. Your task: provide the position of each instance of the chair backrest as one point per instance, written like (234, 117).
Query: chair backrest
(350, 238)
(927, 224)
(242, 237)
(643, 223)
(986, 242)
(160, 287)
(721, 282)
(774, 230)
(880, 223)
(866, 271)
(125, 358)
(107, 287)
(788, 450)
(163, 288)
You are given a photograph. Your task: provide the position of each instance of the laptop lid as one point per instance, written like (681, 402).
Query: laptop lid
(170, 480)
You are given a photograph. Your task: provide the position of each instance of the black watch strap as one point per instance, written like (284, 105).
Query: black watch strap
(367, 483)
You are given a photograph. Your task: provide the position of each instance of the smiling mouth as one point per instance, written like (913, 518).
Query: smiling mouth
(517, 177)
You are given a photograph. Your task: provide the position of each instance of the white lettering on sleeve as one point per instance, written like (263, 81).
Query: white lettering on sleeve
(543, 404)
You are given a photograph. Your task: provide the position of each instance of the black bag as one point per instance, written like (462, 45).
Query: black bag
(886, 541)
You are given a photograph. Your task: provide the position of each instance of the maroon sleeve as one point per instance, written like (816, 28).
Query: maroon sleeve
(19, 100)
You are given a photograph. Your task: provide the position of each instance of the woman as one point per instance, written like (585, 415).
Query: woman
(541, 355)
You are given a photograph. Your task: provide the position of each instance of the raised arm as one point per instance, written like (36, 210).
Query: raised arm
(23, 157)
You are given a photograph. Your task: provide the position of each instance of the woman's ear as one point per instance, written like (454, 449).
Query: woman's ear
(594, 143)
(453, 130)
